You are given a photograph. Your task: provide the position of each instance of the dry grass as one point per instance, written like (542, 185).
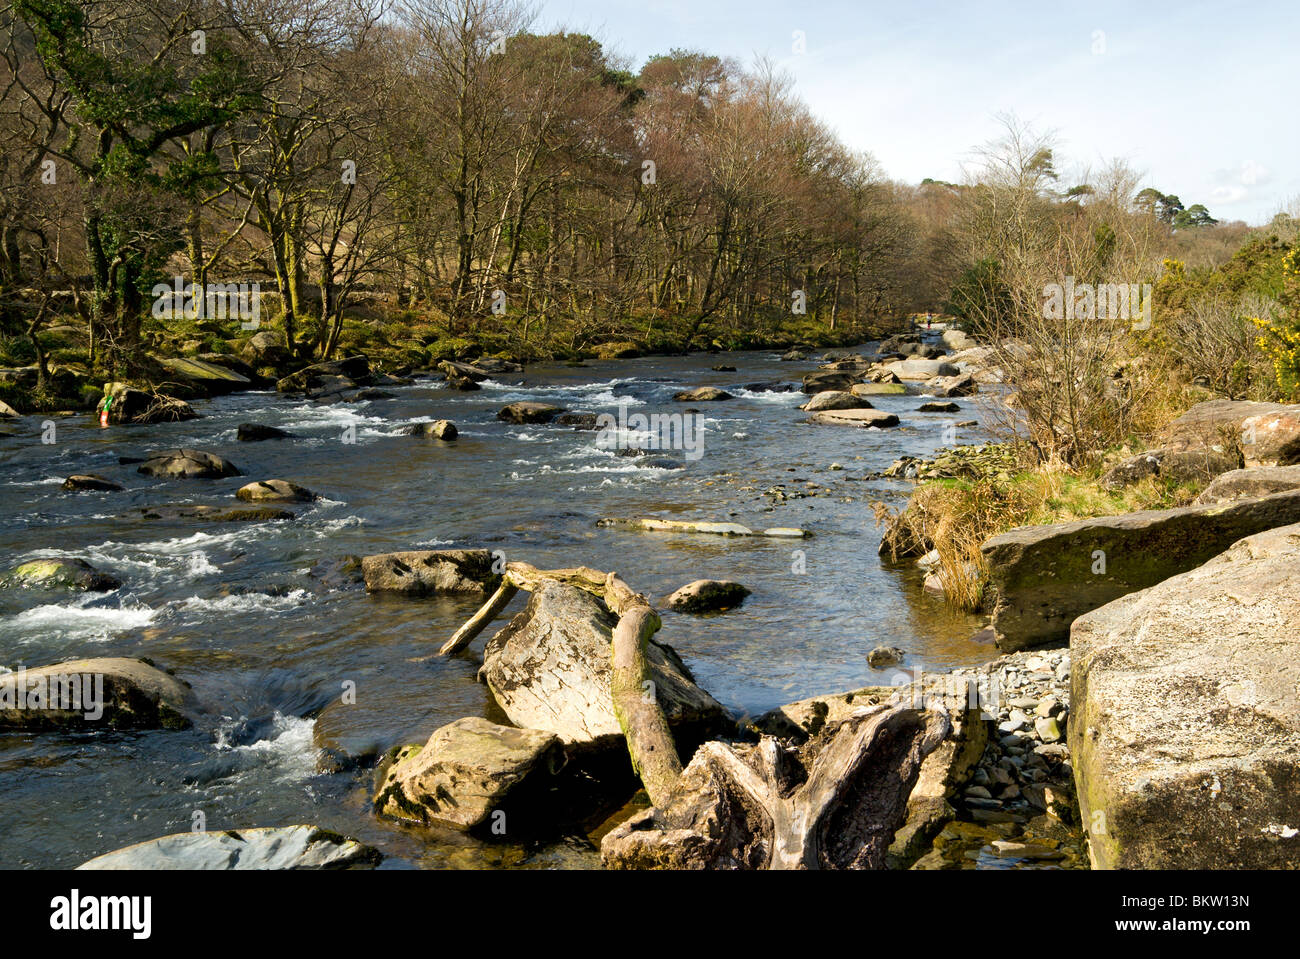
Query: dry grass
(955, 517)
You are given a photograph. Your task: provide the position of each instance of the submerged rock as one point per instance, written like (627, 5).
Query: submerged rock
(74, 574)
(706, 596)
(257, 433)
(429, 571)
(213, 514)
(550, 669)
(1186, 728)
(275, 491)
(108, 693)
(468, 770)
(90, 482)
(188, 464)
(277, 847)
(1044, 577)
(883, 656)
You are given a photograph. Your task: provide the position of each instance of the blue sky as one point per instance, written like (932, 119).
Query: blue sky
(1200, 96)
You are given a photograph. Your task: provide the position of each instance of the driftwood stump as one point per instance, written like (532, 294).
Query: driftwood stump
(834, 803)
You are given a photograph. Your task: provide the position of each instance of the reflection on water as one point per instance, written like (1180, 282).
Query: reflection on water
(268, 648)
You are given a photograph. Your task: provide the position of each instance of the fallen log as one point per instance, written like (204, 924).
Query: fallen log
(832, 804)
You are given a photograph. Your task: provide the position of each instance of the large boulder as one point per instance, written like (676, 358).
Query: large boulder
(1185, 734)
(438, 429)
(1272, 439)
(860, 418)
(959, 384)
(1216, 423)
(110, 693)
(1251, 483)
(74, 574)
(188, 464)
(130, 405)
(550, 669)
(277, 847)
(1045, 577)
(819, 381)
(323, 380)
(468, 770)
(1198, 464)
(265, 349)
(835, 400)
(957, 340)
(525, 412)
(915, 369)
(429, 571)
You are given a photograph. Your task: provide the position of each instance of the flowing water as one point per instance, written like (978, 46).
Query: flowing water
(268, 648)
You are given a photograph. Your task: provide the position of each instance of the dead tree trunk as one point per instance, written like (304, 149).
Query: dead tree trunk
(834, 803)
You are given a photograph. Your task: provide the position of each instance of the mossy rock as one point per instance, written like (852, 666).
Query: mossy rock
(75, 574)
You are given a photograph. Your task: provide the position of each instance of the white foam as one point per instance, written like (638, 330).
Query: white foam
(75, 621)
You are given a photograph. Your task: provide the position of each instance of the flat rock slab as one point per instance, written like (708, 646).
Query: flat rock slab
(1045, 577)
(279, 847)
(103, 693)
(468, 770)
(90, 483)
(1185, 732)
(835, 400)
(1250, 483)
(550, 669)
(429, 571)
(860, 418)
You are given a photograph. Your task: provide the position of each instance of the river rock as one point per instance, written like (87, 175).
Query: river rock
(706, 596)
(525, 412)
(938, 408)
(959, 384)
(275, 491)
(468, 770)
(1044, 577)
(425, 572)
(1179, 466)
(1185, 735)
(819, 381)
(188, 464)
(257, 433)
(195, 512)
(861, 418)
(7, 412)
(265, 349)
(702, 394)
(74, 574)
(921, 369)
(1250, 483)
(322, 380)
(90, 482)
(277, 847)
(125, 693)
(138, 407)
(883, 656)
(957, 340)
(550, 669)
(438, 429)
(835, 400)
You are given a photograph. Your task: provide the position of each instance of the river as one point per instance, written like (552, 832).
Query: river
(268, 648)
